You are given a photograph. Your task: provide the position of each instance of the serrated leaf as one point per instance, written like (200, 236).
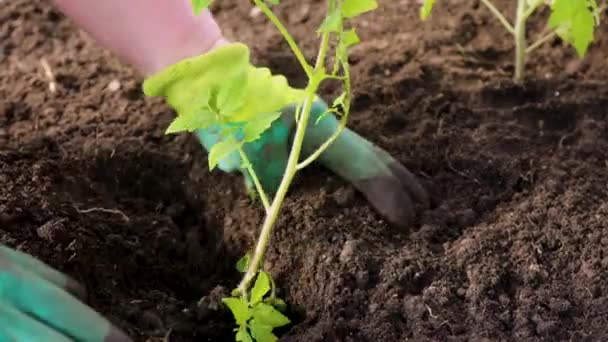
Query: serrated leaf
(350, 38)
(221, 150)
(353, 8)
(426, 9)
(254, 129)
(243, 263)
(260, 288)
(239, 308)
(267, 315)
(332, 22)
(199, 5)
(262, 333)
(261, 83)
(574, 21)
(190, 121)
(184, 83)
(231, 95)
(242, 335)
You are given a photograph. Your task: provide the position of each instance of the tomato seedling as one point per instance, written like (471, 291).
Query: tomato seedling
(245, 102)
(574, 21)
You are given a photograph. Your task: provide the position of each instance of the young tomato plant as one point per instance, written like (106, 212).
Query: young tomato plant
(574, 21)
(256, 315)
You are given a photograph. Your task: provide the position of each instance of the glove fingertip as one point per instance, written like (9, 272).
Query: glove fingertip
(74, 288)
(115, 335)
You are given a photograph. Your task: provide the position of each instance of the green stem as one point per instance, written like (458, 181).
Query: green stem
(541, 41)
(499, 16)
(341, 127)
(520, 40)
(290, 172)
(533, 8)
(325, 145)
(292, 44)
(256, 180)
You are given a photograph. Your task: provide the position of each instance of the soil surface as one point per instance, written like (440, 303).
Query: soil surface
(515, 249)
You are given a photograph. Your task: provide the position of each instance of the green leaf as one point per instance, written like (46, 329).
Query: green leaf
(574, 21)
(184, 83)
(267, 315)
(350, 38)
(278, 303)
(339, 101)
(199, 5)
(353, 8)
(231, 95)
(243, 263)
(260, 84)
(254, 129)
(190, 121)
(239, 308)
(426, 9)
(262, 333)
(261, 287)
(242, 335)
(332, 22)
(221, 150)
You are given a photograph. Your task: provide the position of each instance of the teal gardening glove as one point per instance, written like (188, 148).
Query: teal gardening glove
(390, 188)
(37, 303)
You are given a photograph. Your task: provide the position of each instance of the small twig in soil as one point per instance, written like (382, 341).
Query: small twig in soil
(446, 322)
(168, 335)
(459, 172)
(430, 311)
(560, 144)
(48, 72)
(104, 210)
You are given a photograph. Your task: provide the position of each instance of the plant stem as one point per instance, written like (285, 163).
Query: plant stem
(256, 180)
(343, 122)
(290, 172)
(324, 146)
(292, 44)
(499, 16)
(532, 8)
(541, 41)
(520, 40)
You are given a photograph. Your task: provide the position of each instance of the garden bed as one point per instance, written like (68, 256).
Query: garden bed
(515, 246)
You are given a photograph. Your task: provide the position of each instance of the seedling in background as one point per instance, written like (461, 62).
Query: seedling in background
(255, 315)
(574, 21)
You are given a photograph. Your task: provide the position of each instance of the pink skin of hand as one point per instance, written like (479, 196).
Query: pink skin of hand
(148, 34)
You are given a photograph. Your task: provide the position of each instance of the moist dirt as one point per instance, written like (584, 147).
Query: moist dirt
(515, 247)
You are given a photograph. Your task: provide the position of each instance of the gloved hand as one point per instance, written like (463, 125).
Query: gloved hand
(388, 185)
(37, 304)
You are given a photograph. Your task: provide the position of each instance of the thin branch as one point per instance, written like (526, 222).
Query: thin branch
(283, 30)
(541, 41)
(530, 10)
(499, 16)
(48, 72)
(104, 210)
(256, 180)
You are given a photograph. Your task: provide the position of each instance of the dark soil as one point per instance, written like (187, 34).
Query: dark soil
(516, 248)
